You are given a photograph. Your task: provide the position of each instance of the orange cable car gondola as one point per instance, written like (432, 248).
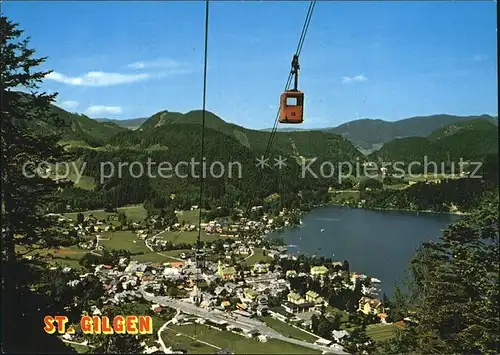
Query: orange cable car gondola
(292, 101)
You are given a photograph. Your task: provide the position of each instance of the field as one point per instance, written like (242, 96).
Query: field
(421, 177)
(80, 349)
(289, 331)
(128, 240)
(397, 186)
(236, 343)
(71, 172)
(190, 217)
(187, 237)
(339, 196)
(333, 311)
(68, 256)
(175, 339)
(134, 213)
(257, 257)
(123, 240)
(64, 256)
(380, 332)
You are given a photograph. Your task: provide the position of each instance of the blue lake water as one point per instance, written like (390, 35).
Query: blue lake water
(376, 243)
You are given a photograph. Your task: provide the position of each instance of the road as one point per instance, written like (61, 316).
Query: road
(234, 320)
(154, 251)
(195, 339)
(252, 252)
(76, 343)
(98, 238)
(162, 328)
(260, 279)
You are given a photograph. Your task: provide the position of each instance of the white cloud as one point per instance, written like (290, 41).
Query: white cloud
(159, 63)
(357, 78)
(97, 78)
(102, 110)
(68, 104)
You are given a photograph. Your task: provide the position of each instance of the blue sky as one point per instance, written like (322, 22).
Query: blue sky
(360, 59)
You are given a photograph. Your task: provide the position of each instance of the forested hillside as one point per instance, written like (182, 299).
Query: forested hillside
(472, 125)
(470, 140)
(174, 137)
(370, 134)
(306, 143)
(181, 143)
(75, 127)
(453, 299)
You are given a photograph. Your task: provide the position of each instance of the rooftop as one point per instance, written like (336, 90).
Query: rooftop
(312, 294)
(319, 269)
(301, 305)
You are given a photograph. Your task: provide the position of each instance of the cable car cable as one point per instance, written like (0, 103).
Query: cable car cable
(305, 27)
(289, 80)
(287, 85)
(297, 53)
(202, 185)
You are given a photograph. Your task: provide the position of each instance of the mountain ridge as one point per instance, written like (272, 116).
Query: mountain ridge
(306, 143)
(366, 135)
(467, 139)
(369, 134)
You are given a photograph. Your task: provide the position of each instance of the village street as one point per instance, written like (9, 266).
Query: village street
(234, 320)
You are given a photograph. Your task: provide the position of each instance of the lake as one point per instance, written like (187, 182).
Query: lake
(376, 243)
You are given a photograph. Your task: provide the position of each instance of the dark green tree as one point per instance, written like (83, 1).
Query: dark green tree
(324, 327)
(122, 218)
(117, 344)
(453, 294)
(26, 194)
(370, 183)
(235, 217)
(336, 322)
(161, 291)
(170, 217)
(173, 291)
(358, 342)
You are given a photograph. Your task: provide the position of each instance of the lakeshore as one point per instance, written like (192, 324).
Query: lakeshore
(457, 213)
(356, 206)
(380, 250)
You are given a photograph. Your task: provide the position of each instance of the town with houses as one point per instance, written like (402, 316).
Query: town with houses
(217, 287)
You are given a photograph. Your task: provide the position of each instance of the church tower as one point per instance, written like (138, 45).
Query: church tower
(219, 268)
